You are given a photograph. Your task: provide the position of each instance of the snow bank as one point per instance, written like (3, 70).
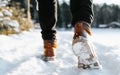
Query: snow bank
(1, 14)
(6, 13)
(12, 23)
(6, 20)
(3, 3)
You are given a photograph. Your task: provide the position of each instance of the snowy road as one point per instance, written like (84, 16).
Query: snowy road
(18, 54)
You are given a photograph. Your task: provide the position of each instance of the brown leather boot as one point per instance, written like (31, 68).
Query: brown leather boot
(81, 28)
(83, 48)
(49, 50)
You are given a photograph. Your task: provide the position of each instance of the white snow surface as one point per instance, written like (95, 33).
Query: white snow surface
(18, 54)
(3, 3)
(7, 13)
(13, 23)
(1, 14)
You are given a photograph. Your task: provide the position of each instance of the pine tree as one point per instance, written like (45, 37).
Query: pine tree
(59, 16)
(66, 14)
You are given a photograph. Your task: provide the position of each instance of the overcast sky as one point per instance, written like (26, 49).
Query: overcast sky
(107, 1)
(102, 1)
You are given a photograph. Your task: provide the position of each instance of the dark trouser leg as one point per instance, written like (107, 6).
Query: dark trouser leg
(47, 15)
(82, 10)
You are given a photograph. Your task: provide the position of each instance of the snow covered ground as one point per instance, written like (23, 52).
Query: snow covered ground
(18, 54)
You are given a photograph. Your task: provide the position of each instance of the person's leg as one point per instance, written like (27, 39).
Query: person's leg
(82, 10)
(82, 13)
(48, 18)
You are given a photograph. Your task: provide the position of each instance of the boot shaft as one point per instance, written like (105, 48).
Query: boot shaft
(49, 48)
(81, 29)
(50, 43)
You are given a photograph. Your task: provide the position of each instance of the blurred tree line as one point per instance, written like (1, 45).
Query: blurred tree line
(103, 14)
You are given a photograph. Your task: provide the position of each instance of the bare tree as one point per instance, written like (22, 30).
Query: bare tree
(28, 10)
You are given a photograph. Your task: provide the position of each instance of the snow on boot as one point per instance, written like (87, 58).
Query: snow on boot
(47, 58)
(49, 50)
(83, 48)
